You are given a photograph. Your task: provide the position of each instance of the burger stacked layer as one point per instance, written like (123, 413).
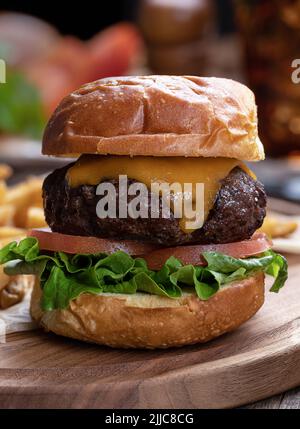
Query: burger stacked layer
(148, 280)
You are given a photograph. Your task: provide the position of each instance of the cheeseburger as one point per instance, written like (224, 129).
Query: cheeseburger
(145, 277)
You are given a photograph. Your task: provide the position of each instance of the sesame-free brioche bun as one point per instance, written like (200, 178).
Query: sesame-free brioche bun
(157, 115)
(150, 321)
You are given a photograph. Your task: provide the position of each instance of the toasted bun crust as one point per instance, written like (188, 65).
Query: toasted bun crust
(159, 116)
(149, 321)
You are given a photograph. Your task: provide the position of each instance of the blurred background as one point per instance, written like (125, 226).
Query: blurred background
(51, 48)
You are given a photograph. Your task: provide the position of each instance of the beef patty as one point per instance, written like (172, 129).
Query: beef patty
(239, 209)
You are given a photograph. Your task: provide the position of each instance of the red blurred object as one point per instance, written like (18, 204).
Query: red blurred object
(63, 69)
(114, 50)
(71, 62)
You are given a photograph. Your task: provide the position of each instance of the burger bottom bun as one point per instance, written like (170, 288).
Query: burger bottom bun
(150, 321)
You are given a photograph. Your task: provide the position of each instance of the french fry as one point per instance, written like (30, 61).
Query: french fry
(23, 196)
(20, 208)
(13, 292)
(5, 171)
(4, 278)
(6, 214)
(10, 297)
(3, 191)
(11, 231)
(37, 200)
(277, 227)
(35, 218)
(7, 240)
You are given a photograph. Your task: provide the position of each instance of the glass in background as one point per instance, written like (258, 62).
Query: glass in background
(177, 34)
(270, 31)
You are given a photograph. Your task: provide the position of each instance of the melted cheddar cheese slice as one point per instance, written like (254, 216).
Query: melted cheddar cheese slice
(92, 169)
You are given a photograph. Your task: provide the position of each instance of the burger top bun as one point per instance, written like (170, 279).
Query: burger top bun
(157, 115)
(149, 321)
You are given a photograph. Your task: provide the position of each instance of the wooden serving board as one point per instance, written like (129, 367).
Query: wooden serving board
(259, 360)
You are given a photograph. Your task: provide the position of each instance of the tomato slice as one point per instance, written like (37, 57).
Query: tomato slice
(57, 242)
(192, 254)
(154, 256)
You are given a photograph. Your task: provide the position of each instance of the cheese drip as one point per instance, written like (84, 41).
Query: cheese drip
(92, 169)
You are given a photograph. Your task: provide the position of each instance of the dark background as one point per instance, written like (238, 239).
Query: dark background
(86, 18)
(81, 18)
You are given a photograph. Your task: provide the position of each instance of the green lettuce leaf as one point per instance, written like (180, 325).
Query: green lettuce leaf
(64, 277)
(277, 269)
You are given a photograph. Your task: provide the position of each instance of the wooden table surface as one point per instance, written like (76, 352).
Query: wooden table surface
(289, 399)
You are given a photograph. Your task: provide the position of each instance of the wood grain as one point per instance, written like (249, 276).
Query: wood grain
(287, 400)
(259, 360)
